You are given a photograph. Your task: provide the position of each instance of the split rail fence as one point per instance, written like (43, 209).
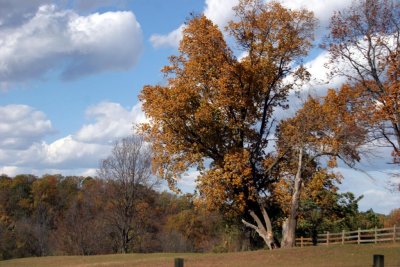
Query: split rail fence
(391, 234)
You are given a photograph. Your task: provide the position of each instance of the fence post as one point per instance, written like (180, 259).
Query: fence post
(301, 241)
(394, 233)
(327, 238)
(376, 235)
(178, 262)
(342, 237)
(359, 236)
(379, 261)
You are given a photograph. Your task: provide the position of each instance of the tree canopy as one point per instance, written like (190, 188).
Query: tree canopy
(215, 111)
(364, 46)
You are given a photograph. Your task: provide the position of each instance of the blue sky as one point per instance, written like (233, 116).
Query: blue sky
(71, 71)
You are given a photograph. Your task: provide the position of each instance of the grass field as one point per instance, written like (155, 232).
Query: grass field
(348, 255)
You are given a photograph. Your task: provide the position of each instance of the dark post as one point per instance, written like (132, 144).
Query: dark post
(378, 261)
(179, 262)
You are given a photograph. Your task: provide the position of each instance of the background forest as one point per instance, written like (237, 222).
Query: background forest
(57, 215)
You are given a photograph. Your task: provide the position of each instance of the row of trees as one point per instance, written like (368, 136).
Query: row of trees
(216, 112)
(57, 215)
(120, 211)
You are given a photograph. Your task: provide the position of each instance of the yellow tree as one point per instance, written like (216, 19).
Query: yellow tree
(393, 218)
(316, 188)
(364, 46)
(216, 111)
(325, 128)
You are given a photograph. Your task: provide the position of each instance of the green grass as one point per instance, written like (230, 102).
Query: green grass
(347, 255)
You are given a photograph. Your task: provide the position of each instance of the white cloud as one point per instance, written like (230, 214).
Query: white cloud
(111, 121)
(21, 126)
(88, 172)
(320, 81)
(69, 152)
(14, 170)
(61, 39)
(187, 183)
(23, 129)
(172, 39)
(381, 200)
(220, 11)
(323, 10)
(9, 170)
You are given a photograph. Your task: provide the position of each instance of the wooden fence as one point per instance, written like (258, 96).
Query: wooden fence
(391, 234)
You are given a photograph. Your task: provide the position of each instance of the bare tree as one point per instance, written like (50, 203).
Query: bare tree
(365, 41)
(128, 172)
(265, 231)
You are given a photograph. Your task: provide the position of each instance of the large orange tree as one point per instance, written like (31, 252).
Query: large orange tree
(215, 111)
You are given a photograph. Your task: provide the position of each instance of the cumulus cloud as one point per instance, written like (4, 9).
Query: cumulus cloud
(23, 130)
(62, 39)
(187, 183)
(323, 10)
(88, 172)
(382, 200)
(21, 126)
(172, 39)
(69, 152)
(219, 11)
(65, 153)
(320, 80)
(14, 170)
(10, 170)
(111, 121)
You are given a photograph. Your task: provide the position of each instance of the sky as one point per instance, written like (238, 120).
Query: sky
(71, 72)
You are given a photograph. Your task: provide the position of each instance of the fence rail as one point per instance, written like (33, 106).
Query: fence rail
(391, 234)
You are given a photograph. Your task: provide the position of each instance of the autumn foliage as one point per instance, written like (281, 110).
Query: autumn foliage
(364, 46)
(216, 110)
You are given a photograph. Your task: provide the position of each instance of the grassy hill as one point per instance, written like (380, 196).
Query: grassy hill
(348, 255)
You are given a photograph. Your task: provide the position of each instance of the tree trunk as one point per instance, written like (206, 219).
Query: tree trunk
(289, 225)
(125, 241)
(265, 232)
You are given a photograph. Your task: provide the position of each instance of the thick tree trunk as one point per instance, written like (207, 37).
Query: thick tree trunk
(289, 232)
(265, 232)
(289, 225)
(124, 247)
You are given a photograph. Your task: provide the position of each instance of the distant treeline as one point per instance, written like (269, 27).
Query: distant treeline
(58, 215)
